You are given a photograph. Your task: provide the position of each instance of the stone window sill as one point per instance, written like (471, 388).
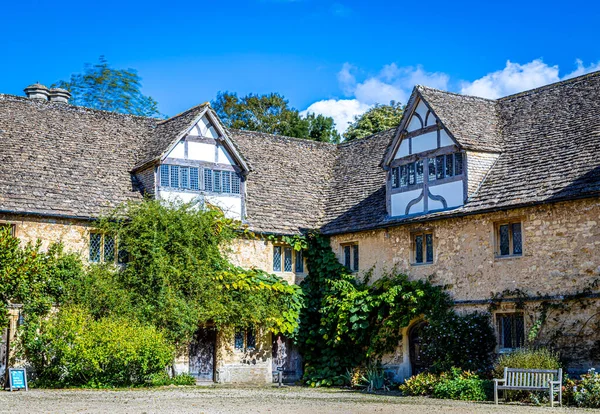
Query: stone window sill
(421, 264)
(508, 257)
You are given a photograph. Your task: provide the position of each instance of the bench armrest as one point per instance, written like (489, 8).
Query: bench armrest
(499, 380)
(555, 382)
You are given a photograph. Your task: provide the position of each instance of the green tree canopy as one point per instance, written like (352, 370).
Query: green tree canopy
(103, 87)
(271, 113)
(377, 119)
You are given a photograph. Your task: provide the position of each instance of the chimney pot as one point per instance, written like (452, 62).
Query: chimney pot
(37, 91)
(60, 95)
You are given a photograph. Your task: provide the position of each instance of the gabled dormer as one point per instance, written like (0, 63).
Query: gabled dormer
(200, 164)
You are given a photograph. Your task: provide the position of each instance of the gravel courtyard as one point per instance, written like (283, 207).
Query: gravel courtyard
(229, 399)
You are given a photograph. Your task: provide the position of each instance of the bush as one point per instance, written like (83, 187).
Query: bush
(586, 393)
(70, 348)
(162, 379)
(420, 385)
(540, 358)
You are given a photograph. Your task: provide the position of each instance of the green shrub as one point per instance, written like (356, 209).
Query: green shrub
(163, 379)
(457, 385)
(70, 348)
(586, 392)
(540, 358)
(420, 385)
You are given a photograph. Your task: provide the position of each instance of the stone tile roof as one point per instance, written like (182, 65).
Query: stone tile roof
(472, 121)
(289, 181)
(58, 159)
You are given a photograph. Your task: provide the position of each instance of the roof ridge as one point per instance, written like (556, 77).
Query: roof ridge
(461, 95)
(269, 135)
(551, 85)
(358, 140)
(180, 114)
(61, 105)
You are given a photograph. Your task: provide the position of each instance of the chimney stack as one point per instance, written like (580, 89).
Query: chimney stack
(59, 95)
(37, 91)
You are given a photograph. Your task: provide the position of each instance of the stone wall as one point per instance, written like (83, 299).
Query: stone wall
(244, 365)
(478, 165)
(146, 180)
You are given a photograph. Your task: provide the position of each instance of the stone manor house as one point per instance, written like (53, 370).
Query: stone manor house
(498, 200)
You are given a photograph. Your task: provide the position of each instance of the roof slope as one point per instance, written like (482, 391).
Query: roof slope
(472, 121)
(59, 159)
(288, 185)
(356, 198)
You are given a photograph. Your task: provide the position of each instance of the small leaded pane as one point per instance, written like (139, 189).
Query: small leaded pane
(517, 238)
(518, 331)
(208, 180)
(299, 261)
(239, 339)
(439, 167)
(95, 246)
(185, 177)
(458, 163)
(347, 261)
(235, 183)
(226, 181)
(419, 168)
(395, 177)
(403, 176)
(429, 248)
(431, 164)
(164, 175)
(449, 165)
(287, 259)
(250, 338)
(109, 248)
(121, 254)
(504, 240)
(277, 258)
(355, 258)
(174, 176)
(194, 179)
(217, 181)
(419, 248)
(411, 174)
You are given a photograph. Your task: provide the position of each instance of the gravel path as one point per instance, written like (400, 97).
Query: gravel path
(230, 399)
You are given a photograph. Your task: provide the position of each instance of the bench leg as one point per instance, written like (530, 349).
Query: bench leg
(551, 395)
(496, 393)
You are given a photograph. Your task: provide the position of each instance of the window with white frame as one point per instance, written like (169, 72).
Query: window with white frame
(188, 178)
(286, 259)
(437, 168)
(350, 256)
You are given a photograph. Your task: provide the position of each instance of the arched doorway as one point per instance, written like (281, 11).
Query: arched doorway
(417, 362)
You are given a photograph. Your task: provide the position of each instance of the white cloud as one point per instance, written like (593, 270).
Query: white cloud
(341, 110)
(395, 82)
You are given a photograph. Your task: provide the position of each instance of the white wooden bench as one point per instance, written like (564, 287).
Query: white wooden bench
(531, 380)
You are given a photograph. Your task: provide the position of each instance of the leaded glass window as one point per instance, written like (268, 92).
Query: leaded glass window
(439, 167)
(95, 247)
(185, 177)
(109, 248)
(174, 176)
(411, 174)
(250, 338)
(419, 248)
(419, 168)
(287, 259)
(217, 181)
(235, 183)
(355, 257)
(511, 330)
(509, 239)
(226, 181)
(504, 240)
(277, 258)
(164, 176)
(299, 261)
(516, 238)
(429, 248)
(395, 177)
(449, 165)
(208, 180)
(239, 339)
(431, 167)
(458, 163)
(194, 179)
(347, 258)
(403, 175)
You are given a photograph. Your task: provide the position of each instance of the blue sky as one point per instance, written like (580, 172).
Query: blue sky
(333, 57)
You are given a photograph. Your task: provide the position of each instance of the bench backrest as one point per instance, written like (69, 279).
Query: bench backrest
(531, 378)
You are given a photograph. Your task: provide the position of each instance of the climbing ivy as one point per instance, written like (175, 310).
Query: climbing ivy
(348, 322)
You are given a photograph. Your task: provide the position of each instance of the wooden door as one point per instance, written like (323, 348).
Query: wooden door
(286, 357)
(202, 354)
(417, 362)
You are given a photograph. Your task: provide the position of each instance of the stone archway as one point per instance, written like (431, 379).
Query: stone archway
(415, 338)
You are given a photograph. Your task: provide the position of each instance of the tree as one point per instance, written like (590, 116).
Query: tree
(109, 89)
(378, 118)
(271, 114)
